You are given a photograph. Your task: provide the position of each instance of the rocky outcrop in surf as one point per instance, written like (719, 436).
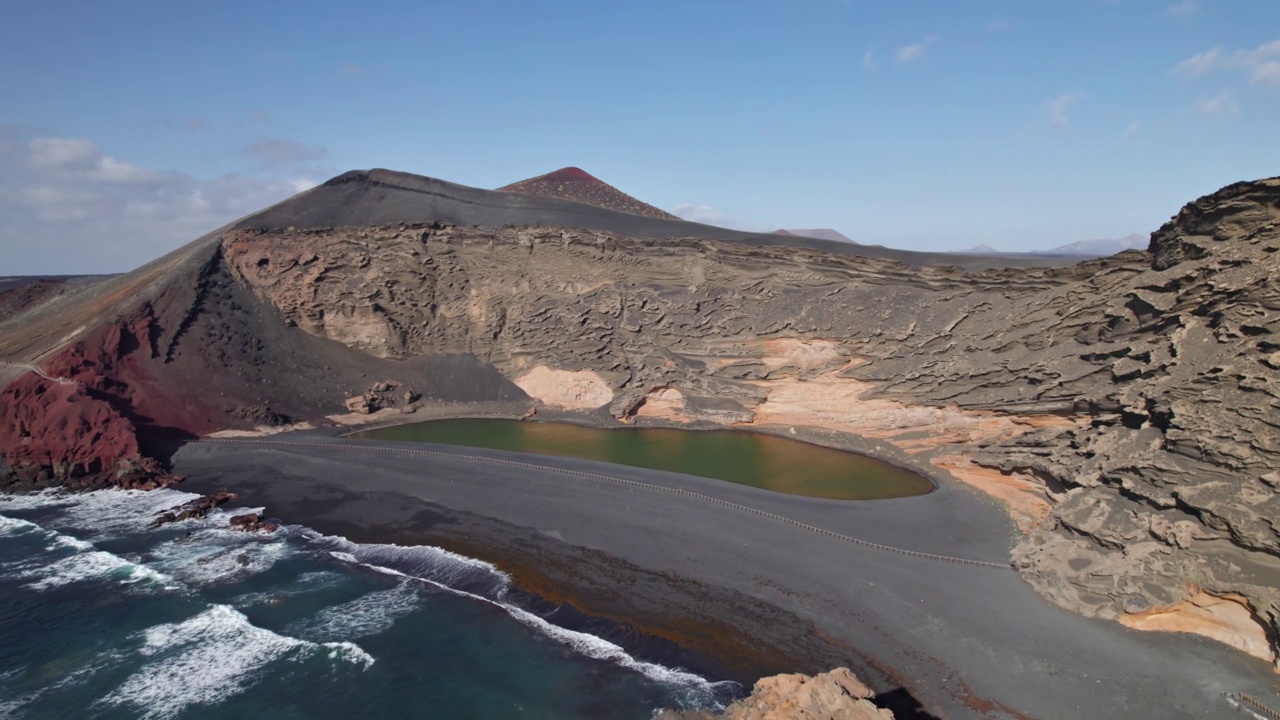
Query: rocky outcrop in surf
(194, 509)
(835, 695)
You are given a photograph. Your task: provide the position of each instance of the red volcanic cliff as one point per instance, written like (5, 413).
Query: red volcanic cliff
(74, 423)
(573, 183)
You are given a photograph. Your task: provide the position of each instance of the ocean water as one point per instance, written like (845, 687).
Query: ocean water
(102, 617)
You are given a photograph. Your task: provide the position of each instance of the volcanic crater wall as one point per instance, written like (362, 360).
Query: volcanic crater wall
(1128, 405)
(1136, 395)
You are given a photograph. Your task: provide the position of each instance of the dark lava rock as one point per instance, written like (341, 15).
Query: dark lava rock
(252, 522)
(261, 415)
(193, 509)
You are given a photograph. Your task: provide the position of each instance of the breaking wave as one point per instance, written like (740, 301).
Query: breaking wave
(210, 657)
(104, 542)
(693, 690)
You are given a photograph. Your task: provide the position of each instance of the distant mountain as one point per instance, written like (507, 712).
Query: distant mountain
(1082, 248)
(820, 233)
(1104, 246)
(573, 183)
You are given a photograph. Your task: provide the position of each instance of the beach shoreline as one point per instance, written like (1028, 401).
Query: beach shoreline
(960, 641)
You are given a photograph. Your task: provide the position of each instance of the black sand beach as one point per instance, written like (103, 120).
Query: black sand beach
(748, 594)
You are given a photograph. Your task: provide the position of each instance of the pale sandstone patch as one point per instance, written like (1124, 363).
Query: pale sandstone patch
(1223, 618)
(664, 402)
(1023, 496)
(260, 431)
(800, 353)
(567, 389)
(837, 403)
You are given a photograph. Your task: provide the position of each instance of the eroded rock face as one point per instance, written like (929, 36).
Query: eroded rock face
(1131, 402)
(1133, 398)
(72, 424)
(835, 695)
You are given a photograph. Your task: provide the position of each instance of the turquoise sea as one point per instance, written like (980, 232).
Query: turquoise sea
(103, 617)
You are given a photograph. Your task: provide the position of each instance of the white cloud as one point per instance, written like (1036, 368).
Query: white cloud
(77, 156)
(706, 215)
(1261, 65)
(1221, 104)
(869, 61)
(1267, 73)
(909, 53)
(1132, 130)
(1198, 64)
(1057, 108)
(282, 151)
(67, 207)
(64, 153)
(1184, 9)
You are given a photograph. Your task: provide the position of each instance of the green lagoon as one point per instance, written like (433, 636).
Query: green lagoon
(763, 461)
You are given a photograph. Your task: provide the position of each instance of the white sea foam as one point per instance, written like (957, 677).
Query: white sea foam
(77, 568)
(66, 541)
(10, 707)
(24, 563)
(214, 555)
(85, 562)
(424, 562)
(210, 657)
(699, 692)
(694, 690)
(17, 526)
(28, 501)
(319, 578)
(102, 513)
(13, 708)
(304, 583)
(369, 614)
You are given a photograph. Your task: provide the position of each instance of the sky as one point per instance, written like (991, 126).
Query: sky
(130, 128)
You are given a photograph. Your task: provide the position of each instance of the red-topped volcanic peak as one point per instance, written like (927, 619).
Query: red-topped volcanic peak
(573, 183)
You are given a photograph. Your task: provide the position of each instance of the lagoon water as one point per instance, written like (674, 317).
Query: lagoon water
(749, 458)
(101, 616)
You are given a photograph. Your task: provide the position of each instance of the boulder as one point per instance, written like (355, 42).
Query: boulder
(834, 695)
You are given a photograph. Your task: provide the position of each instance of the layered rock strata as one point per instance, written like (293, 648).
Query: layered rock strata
(1128, 403)
(1124, 408)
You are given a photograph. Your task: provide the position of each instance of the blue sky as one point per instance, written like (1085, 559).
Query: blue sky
(127, 128)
